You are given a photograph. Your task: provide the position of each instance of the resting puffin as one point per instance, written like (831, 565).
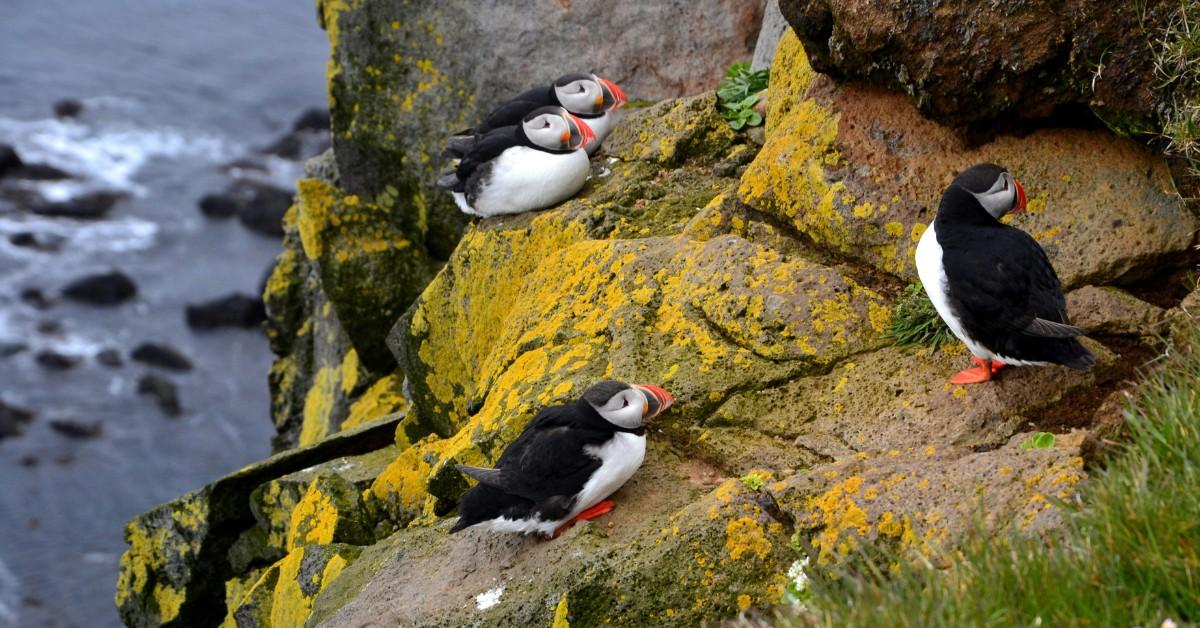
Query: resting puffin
(536, 164)
(992, 283)
(584, 95)
(566, 463)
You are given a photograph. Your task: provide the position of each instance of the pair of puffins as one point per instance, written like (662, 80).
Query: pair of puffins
(532, 151)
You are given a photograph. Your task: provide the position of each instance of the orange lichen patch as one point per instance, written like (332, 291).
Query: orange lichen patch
(745, 536)
(384, 397)
(837, 513)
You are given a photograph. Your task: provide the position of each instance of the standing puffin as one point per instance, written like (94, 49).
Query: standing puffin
(536, 164)
(566, 463)
(584, 95)
(992, 283)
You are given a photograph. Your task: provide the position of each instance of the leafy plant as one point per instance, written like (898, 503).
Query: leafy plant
(1039, 440)
(753, 481)
(738, 93)
(915, 322)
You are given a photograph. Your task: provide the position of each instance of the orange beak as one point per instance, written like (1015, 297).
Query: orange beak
(1019, 207)
(657, 400)
(586, 133)
(618, 95)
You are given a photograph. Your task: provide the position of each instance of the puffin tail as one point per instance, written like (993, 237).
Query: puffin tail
(449, 180)
(459, 145)
(1076, 356)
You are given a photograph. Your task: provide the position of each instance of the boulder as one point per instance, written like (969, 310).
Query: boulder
(161, 356)
(218, 206)
(14, 420)
(259, 206)
(45, 242)
(106, 289)
(860, 173)
(39, 172)
(9, 159)
(91, 206)
(163, 391)
(1107, 310)
(974, 62)
(110, 357)
(55, 361)
(234, 310)
(78, 430)
(314, 119)
(35, 298)
(67, 108)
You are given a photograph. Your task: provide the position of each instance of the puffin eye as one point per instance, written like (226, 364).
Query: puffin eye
(625, 403)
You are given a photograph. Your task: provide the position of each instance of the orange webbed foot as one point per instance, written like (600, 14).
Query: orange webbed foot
(603, 507)
(982, 372)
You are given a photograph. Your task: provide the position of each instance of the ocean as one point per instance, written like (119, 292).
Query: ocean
(171, 92)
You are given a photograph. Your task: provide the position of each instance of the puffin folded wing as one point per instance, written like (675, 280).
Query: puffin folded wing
(1050, 329)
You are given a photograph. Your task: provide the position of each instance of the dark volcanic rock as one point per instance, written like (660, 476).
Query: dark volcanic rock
(40, 172)
(36, 298)
(77, 429)
(970, 62)
(13, 420)
(56, 361)
(8, 349)
(234, 310)
(108, 288)
(218, 206)
(87, 207)
(161, 356)
(163, 391)
(259, 206)
(9, 159)
(50, 327)
(315, 119)
(45, 242)
(68, 108)
(110, 358)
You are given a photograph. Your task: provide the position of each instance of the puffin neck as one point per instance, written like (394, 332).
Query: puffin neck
(959, 206)
(593, 419)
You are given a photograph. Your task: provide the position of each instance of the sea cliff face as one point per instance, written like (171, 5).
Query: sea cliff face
(753, 276)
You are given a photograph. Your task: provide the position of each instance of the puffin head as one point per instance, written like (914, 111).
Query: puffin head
(995, 189)
(627, 405)
(587, 94)
(553, 128)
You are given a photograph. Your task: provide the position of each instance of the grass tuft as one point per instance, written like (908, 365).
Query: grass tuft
(915, 322)
(1128, 554)
(1176, 49)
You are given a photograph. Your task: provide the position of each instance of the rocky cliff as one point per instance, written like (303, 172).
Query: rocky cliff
(752, 276)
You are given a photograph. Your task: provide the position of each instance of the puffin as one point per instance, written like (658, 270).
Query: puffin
(536, 164)
(586, 96)
(565, 464)
(992, 283)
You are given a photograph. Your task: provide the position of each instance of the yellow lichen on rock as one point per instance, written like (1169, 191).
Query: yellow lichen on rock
(385, 396)
(560, 614)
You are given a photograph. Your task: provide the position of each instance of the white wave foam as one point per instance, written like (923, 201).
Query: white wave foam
(115, 236)
(107, 157)
(9, 596)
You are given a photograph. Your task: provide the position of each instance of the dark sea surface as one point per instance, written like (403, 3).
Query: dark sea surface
(171, 91)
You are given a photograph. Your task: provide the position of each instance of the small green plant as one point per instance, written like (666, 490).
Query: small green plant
(915, 322)
(753, 481)
(1039, 440)
(738, 93)
(1176, 50)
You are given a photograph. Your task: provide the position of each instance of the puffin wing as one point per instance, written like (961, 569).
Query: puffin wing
(547, 460)
(486, 148)
(513, 111)
(1009, 285)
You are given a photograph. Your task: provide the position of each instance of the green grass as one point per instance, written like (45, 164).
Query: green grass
(738, 94)
(1128, 556)
(1176, 49)
(915, 323)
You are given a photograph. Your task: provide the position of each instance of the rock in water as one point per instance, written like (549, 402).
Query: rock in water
(68, 108)
(161, 356)
(87, 207)
(109, 288)
(35, 298)
(259, 206)
(56, 361)
(77, 429)
(315, 119)
(45, 242)
(163, 391)
(110, 358)
(235, 310)
(13, 420)
(9, 160)
(218, 206)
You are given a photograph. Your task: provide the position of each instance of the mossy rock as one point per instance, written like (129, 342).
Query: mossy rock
(860, 172)
(284, 594)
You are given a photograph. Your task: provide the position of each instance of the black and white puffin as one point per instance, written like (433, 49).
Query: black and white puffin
(584, 95)
(536, 164)
(566, 463)
(992, 283)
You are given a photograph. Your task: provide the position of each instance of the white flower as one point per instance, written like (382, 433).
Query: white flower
(1168, 623)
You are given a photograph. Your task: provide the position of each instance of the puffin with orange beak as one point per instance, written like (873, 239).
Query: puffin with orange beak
(566, 463)
(586, 96)
(992, 283)
(536, 164)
